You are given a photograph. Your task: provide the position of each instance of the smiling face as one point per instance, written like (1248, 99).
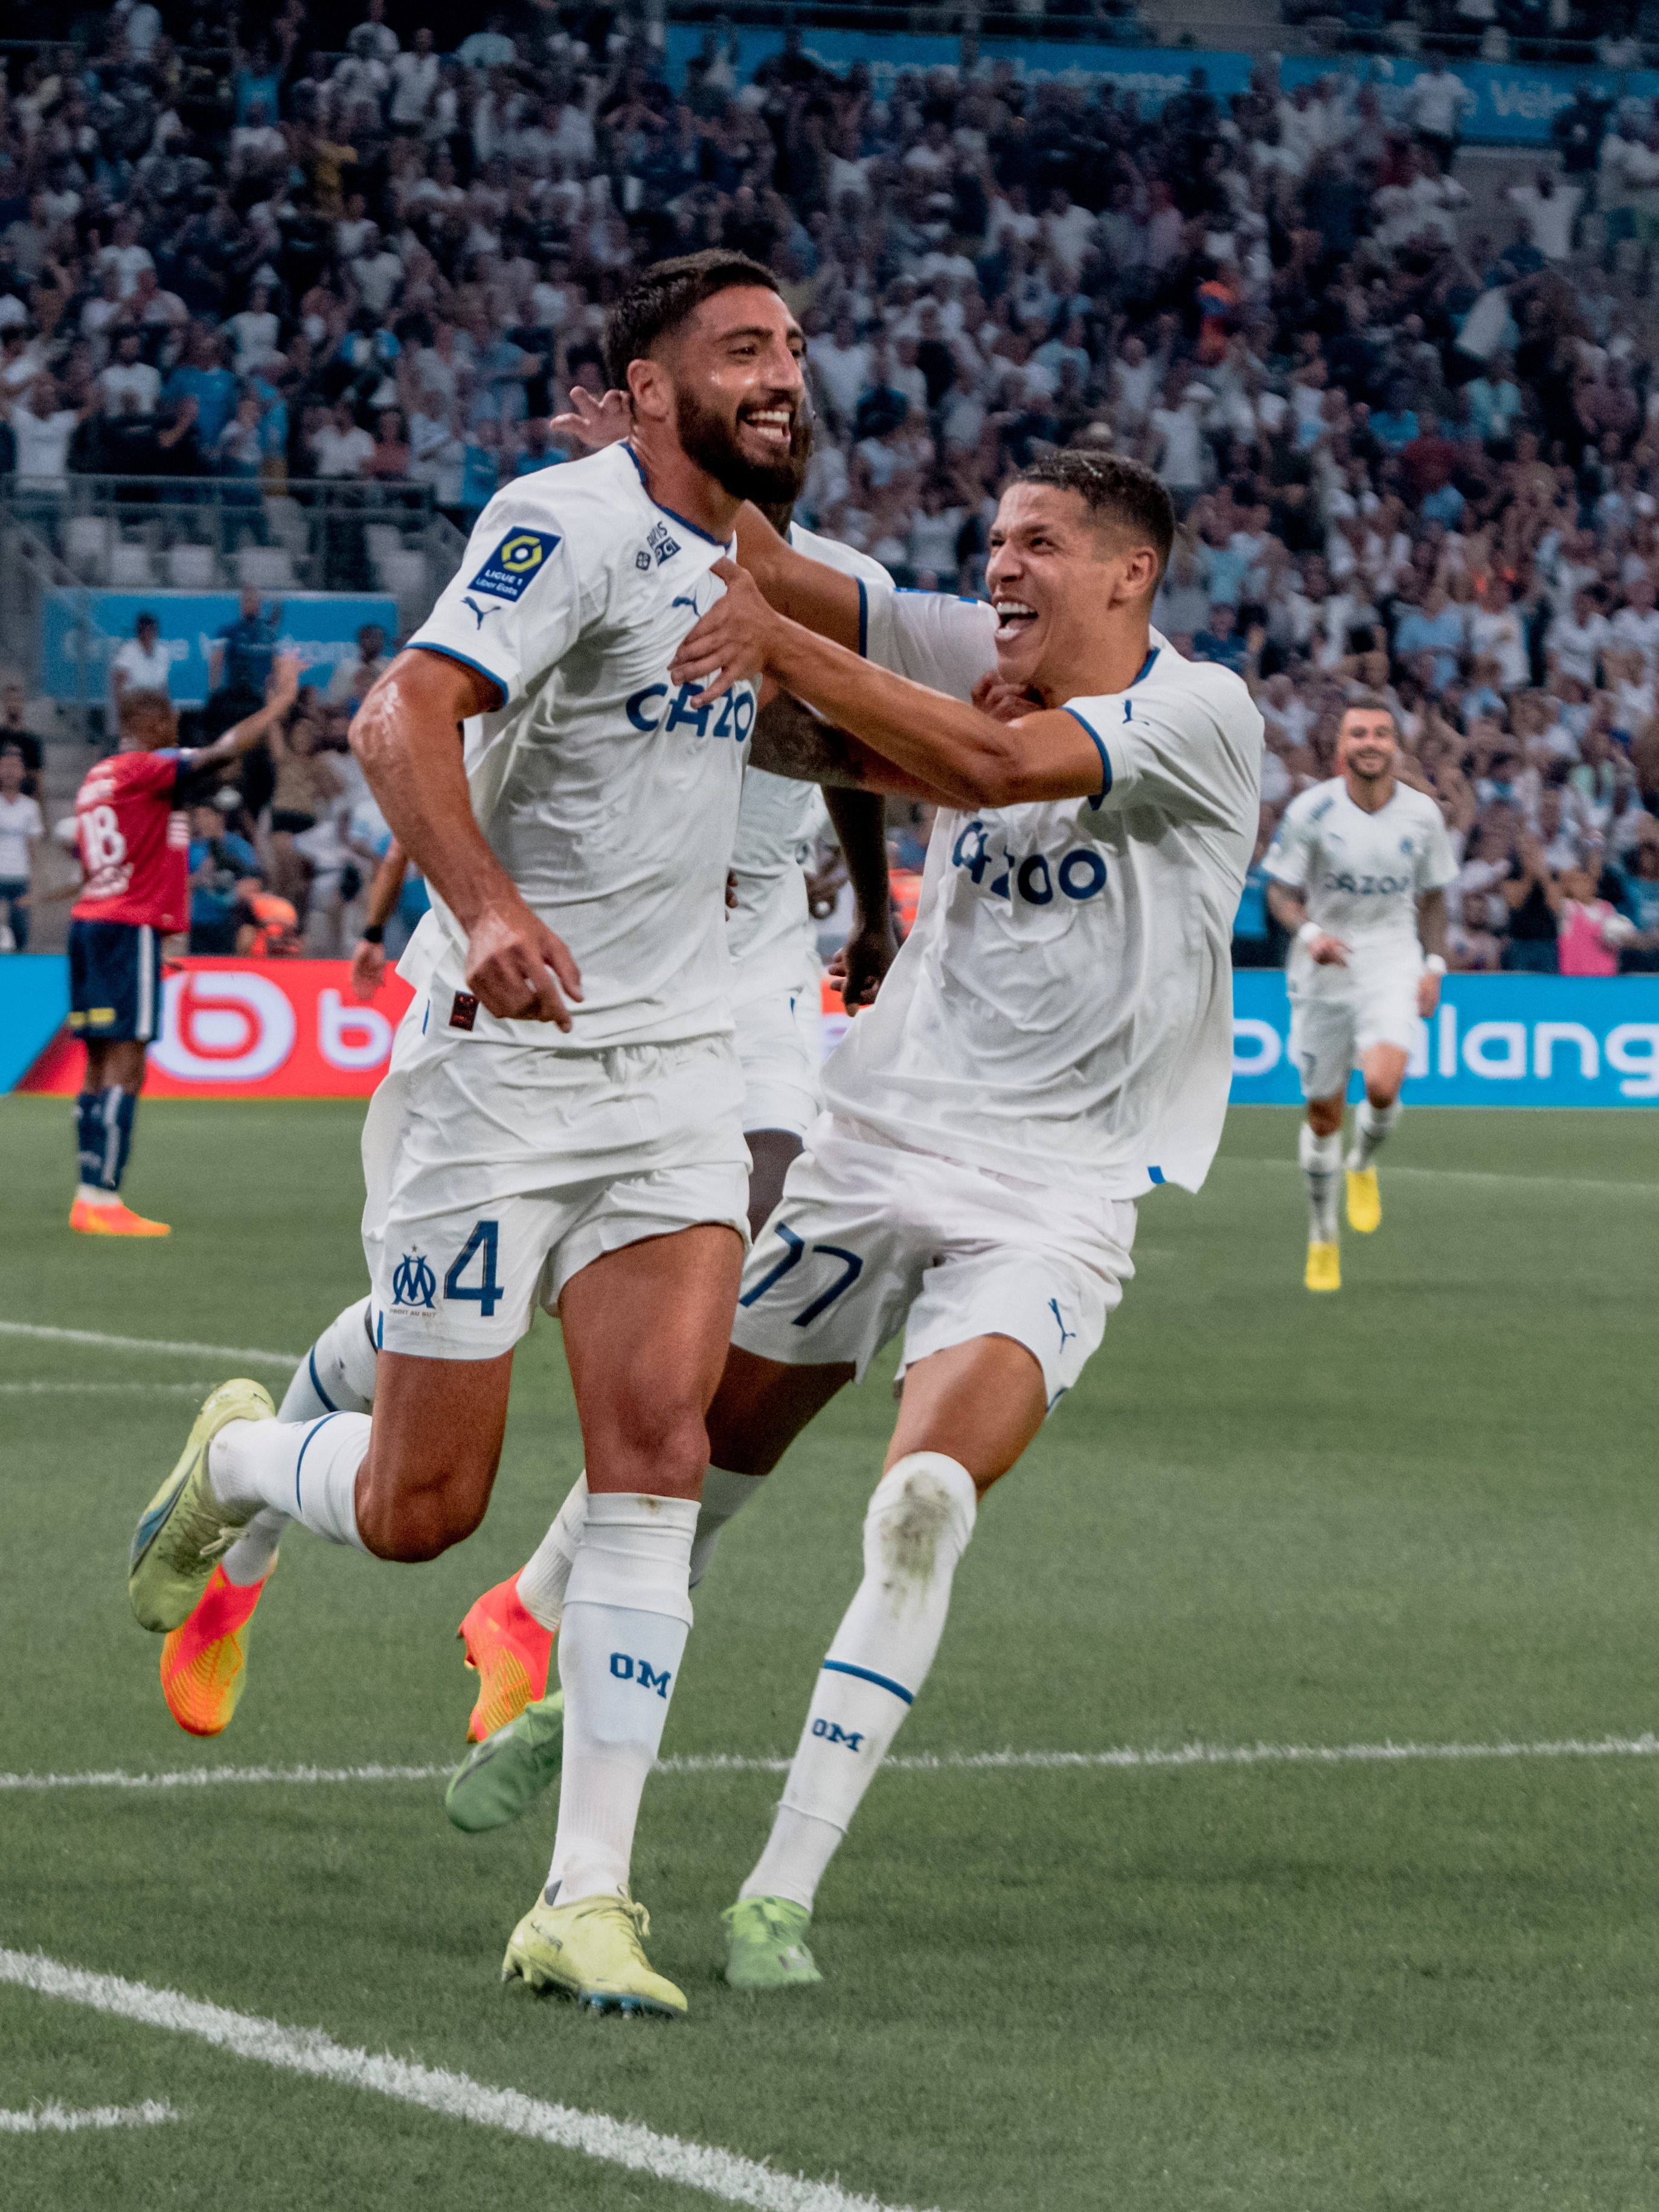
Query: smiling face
(731, 371)
(1365, 743)
(1056, 568)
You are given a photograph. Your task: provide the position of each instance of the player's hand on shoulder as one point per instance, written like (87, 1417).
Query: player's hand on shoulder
(1004, 702)
(730, 642)
(518, 970)
(593, 423)
(368, 969)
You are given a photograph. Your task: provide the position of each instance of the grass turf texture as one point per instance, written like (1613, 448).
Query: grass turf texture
(1421, 1509)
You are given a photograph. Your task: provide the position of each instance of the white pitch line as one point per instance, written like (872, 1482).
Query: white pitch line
(58, 2120)
(1178, 1758)
(720, 2174)
(104, 1390)
(162, 1345)
(1603, 1186)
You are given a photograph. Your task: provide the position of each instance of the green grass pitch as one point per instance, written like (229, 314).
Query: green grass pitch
(1423, 1510)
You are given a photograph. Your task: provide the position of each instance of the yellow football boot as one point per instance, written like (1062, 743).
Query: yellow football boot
(1364, 1200)
(592, 1951)
(204, 1663)
(183, 1531)
(1324, 1268)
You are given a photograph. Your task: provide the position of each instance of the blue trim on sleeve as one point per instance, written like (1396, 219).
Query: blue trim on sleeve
(452, 653)
(684, 521)
(864, 1675)
(1100, 747)
(1157, 1174)
(864, 619)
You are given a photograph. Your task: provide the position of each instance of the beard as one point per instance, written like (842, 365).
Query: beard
(707, 439)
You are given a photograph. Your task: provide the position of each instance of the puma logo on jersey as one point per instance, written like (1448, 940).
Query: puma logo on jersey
(478, 612)
(1066, 1334)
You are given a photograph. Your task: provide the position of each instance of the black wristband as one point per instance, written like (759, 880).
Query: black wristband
(374, 932)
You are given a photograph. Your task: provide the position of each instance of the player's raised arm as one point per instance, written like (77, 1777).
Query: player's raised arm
(280, 694)
(948, 745)
(407, 736)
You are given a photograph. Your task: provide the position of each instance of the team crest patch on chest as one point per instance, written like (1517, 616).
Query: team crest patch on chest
(515, 563)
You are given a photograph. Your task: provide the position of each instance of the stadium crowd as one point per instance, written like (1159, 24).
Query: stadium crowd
(1405, 456)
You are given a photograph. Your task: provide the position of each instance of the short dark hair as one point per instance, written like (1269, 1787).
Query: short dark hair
(661, 297)
(1115, 489)
(1367, 702)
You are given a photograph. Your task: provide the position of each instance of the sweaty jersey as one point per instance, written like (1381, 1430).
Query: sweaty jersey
(609, 798)
(134, 840)
(768, 931)
(1360, 875)
(1062, 1009)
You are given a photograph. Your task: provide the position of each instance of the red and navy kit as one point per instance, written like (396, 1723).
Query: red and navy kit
(135, 841)
(134, 838)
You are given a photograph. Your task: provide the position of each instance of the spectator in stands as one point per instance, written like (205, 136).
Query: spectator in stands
(224, 875)
(22, 827)
(306, 787)
(350, 683)
(144, 663)
(241, 658)
(16, 734)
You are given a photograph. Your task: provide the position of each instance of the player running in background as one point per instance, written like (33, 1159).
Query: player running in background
(1358, 874)
(132, 838)
(560, 1124)
(1055, 1040)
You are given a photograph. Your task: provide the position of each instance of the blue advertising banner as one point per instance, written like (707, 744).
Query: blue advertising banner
(1514, 103)
(321, 626)
(1497, 1040)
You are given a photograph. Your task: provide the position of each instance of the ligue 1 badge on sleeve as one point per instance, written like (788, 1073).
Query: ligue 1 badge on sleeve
(515, 563)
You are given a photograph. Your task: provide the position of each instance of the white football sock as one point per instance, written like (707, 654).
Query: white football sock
(917, 1528)
(1371, 1125)
(1321, 1162)
(337, 1376)
(626, 1618)
(254, 1554)
(723, 1495)
(305, 1470)
(545, 1575)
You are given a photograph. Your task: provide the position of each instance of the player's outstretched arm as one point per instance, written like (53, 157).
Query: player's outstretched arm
(955, 750)
(820, 598)
(407, 736)
(791, 740)
(281, 692)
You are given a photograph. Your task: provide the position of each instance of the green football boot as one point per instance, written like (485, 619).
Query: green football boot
(183, 1531)
(503, 1776)
(592, 1951)
(765, 1946)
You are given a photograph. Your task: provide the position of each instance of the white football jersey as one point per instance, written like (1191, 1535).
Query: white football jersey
(770, 934)
(1062, 1011)
(1360, 875)
(611, 799)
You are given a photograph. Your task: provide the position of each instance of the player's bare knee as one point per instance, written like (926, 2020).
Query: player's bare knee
(658, 1449)
(1325, 1116)
(1381, 1095)
(412, 1523)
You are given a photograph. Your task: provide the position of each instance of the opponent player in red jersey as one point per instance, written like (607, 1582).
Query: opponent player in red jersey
(133, 835)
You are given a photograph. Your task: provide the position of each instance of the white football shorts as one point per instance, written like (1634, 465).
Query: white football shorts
(777, 1043)
(495, 1172)
(1332, 1029)
(870, 1237)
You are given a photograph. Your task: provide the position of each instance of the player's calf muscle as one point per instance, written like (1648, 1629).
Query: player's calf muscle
(433, 1454)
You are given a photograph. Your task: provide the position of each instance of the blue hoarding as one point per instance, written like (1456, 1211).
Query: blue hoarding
(1497, 1040)
(1514, 103)
(322, 626)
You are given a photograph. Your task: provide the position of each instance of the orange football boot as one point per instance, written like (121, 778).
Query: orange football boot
(117, 1220)
(204, 1663)
(510, 1652)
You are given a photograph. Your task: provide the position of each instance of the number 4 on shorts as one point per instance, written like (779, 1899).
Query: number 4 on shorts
(486, 1292)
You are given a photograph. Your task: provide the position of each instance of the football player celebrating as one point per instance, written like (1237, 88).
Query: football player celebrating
(1357, 872)
(1055, 1040)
